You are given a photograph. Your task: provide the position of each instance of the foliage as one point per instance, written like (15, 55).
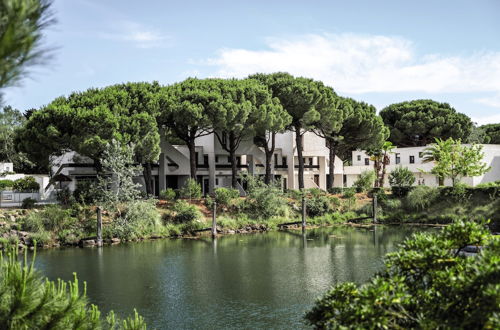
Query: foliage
(426, 284)
(317, 205)
(28, 203)
(401, 179)
(138, 219)
(420, 122)
(185, 212)
(85, 192)
(224, 196)
(6, 184)
(64, 196)
(348, 193)
(21, 26)
(168, 194)
(365, 181)
(421, 197)
(27, 183)
(264, 201)
(492, 133)
(454, 160)
(30, 301)
(379, 154)
(191, 189)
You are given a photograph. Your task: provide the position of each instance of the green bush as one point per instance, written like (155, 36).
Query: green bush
(64, 197)
(336, 190)
(185, 212)
(424, 285)
(139, 219)
(51, 218)
(401, 179)
(6, 184)
(42, 237)
(30, 301)
(168, 194)
(348, 193)
(28, 203)
(317, 205)
(264, 201)
(26, 184)
(365, 181)
(224, 196)
(191, 189)
(459, 193)
(85, 192)
(421, 197)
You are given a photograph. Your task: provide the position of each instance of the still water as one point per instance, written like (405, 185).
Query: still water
(265, 280)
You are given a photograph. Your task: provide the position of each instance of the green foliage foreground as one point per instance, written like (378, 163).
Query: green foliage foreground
(425, 285)
(29, 301)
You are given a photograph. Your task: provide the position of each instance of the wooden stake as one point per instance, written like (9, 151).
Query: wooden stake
(99, 226)
(374, 208)
(214, 220)
(303, 213)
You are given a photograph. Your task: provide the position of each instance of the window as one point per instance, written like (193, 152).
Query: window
(229, 159)
(398, 158)
(367, 161)
(216, 181)
(420, 154)
(205, 159)
(275, 159)
(359, 158)
(196, 156)
(283, 160)
(216, 159)
(412, 159)
(311, 161)
(224, 138)
(238, 160)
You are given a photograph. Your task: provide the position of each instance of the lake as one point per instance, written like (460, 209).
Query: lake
(264, 280)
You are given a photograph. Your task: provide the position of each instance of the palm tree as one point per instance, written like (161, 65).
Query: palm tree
(432, 154)
(380, 157)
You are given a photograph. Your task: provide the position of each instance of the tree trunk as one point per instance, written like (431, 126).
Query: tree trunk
(232, 158)
(298, 142)
(269, 155)
(331, 164)
(192, 158)
(146, 172)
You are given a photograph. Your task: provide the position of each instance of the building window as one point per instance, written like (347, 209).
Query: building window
(196, 156)
(229, 159)
(216, 159)
(205, 159)
(367, 161)
(359, 158)
(398, 158)
(216, 181)
(238, 160)
(420, 154)
(224, 138)
(283, 160)
(311, 161)
(275, 159)
(412, 159)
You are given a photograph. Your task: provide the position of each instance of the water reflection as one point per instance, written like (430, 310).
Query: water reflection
(240, 281)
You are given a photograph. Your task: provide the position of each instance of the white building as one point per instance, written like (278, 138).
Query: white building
(213, 166)
(411, 158)
(6, 168)
(15, 198)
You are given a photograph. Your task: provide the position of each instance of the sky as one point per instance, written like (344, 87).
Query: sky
(380, 52)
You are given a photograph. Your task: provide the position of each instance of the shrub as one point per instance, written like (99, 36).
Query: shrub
(420, 198)
(28, 203)
(425, 285)
(365, 181)
(168, 194)
(64, 197)
(51, 218)
(224, 196)
(139, 219)
(191, 189)
(401, 179)
(185, 212)
(317, 205)
(30, 301)
(6, 184)
(336, 190)
(458, 193)
(348, 193)
(41, 237)
(85, 192)
(26, 184)
(264, 201)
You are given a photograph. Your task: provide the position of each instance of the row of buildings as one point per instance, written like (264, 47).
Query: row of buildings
(214, 168)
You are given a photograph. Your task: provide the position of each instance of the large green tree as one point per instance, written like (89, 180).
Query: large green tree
(492, 133)
(87, 122)
(21, 25)
(184, 110)
(300, 97)
(235, 115)
(419, 122)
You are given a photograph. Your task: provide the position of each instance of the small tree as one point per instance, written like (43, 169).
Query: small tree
(455, 161)
(26, 184)
(400, 179)
(191, 189)
(380, 157)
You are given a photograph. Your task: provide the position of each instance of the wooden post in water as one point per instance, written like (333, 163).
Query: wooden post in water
(374, 208)
(303, 213)
(99, 226)
(214, 220)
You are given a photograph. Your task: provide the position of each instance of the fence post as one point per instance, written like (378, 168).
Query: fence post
(99, 226)
(374, 208)
(303, 213)
(214, 220)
